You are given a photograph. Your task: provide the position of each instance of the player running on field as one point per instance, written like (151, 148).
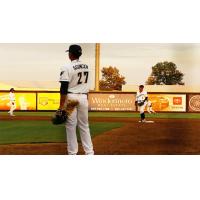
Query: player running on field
(12, 102)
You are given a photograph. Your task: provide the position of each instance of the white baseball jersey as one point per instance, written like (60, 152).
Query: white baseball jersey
(12, 96)
(140, 96)
(78, 76)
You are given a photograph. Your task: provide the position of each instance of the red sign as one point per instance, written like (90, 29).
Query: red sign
(177, 100)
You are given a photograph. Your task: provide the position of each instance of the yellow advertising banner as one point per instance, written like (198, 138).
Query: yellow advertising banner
(48, 101)
(168, 102)
(24, 101)
(194, 103)
(103, 102)
(111, 102)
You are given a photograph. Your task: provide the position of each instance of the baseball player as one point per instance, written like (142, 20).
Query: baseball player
(141, 102)
(74, 79)
(12, 102)
(149, 107)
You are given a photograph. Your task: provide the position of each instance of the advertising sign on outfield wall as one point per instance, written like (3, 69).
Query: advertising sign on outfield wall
(111, 102)
(168, 102)
(48, 101)
(24, 101)
(194, 103)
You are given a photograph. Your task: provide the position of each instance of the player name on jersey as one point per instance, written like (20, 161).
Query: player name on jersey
(82, 66)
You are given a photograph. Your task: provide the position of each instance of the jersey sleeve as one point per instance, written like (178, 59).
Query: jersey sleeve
(64, 74)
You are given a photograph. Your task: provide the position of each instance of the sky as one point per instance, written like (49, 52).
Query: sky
(42, 61)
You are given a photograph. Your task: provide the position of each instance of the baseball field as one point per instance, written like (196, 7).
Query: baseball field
(120, 133)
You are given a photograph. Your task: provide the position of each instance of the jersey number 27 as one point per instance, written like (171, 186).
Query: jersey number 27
(80, 75)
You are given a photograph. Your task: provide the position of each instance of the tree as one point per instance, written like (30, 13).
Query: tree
(111, 79)
(165, 73)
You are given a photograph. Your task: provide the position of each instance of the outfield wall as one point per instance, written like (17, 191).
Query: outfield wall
(161, 102)
(104, 101)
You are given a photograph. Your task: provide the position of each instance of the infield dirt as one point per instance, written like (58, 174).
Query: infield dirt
(164, 137)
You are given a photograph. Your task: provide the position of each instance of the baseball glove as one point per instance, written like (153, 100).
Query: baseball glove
(141, 103)
(61, 116)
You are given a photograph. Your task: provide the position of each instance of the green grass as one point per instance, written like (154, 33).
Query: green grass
(14, 132)
(117, 114)
(48, 114)
(19, 132)
(136, 115)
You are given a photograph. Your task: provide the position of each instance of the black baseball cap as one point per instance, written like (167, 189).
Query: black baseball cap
(12, 89)
(75, 49)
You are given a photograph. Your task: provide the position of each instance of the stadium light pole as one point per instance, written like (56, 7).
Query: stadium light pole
(97, 66)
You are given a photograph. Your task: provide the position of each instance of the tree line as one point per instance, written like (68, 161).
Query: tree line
(163, 73)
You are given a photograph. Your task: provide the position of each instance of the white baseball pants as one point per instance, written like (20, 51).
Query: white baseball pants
(12, 107)
(79, 117)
